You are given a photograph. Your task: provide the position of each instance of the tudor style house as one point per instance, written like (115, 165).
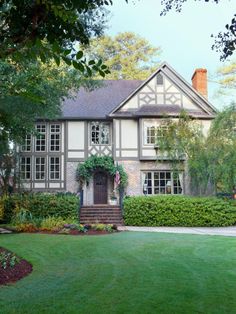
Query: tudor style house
(119, 119)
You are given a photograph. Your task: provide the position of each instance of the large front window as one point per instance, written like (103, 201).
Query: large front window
(25, 168)
(100, 133)
(54, 168)
(40, 168)
(162, 182)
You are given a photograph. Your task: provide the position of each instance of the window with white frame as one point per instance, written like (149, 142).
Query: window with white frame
(40, 141)
(55, 134)
(153, 131)
(54, 166)
(26, 146)
(100, 133)
(25, 168)
(162, 182)
(40, 168)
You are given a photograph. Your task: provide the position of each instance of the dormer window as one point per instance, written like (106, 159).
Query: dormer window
(100, 133)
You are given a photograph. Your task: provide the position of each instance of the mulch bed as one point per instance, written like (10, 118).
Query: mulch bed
(78, 233)
(13, 274)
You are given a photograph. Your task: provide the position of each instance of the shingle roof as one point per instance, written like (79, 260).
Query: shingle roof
(99, 102)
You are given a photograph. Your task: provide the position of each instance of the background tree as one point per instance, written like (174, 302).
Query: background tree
(50, 29)
(127, 55)
(225, 78)
(210, 158)
(225, 41)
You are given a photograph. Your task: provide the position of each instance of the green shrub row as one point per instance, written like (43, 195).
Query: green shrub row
(179, 211)
(40, 205)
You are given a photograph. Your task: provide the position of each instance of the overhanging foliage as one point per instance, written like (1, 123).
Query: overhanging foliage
(106, 163)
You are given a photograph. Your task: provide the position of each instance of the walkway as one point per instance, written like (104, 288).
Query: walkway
(222, 231)
(4, 231)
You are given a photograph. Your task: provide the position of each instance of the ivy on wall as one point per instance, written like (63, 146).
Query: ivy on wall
(106, 163)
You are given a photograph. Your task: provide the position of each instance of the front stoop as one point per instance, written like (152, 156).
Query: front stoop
(105, 214)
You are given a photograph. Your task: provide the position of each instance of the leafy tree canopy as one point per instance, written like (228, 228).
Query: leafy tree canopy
(30, 90)
(210, 157)
(225, 41)
(50, 28)
(127, 55)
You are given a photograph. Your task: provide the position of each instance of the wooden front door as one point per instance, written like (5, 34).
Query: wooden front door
(100, 188)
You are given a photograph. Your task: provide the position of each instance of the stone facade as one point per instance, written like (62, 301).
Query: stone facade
(71, 183)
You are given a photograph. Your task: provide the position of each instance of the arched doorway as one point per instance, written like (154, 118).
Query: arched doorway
(100, 188)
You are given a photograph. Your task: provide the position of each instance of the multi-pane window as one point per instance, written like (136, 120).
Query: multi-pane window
(153, 132)
(55, 130)
(100, 133)
(162, 182)
(40, 168)
(25, 168)
(54, 168)
(40, 141)
(26, 147)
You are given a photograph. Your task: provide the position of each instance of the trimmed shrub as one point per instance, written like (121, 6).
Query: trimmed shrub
(179, 210)
(41, 205)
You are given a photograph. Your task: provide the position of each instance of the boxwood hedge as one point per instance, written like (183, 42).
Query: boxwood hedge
(179, 211)
(40, 205)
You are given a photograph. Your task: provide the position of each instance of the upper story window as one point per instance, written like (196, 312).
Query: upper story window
(26, 147)
(153, 131)
(100, 133)
(40, 141)
(55, 134)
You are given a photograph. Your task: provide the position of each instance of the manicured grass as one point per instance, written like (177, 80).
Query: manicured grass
(123, 273)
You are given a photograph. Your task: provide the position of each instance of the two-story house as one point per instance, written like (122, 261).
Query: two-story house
(119, 119)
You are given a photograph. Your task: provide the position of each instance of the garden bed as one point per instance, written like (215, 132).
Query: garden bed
(9, 272)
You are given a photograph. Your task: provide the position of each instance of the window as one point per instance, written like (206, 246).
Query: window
(54, 168)
(26, 147)
(162, 182)
(40, 142)
(100, 133)
(55, 130)
(153, 131)
(40, 167)
(159, 79)
(25, 168)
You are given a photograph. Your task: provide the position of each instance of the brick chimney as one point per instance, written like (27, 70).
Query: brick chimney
(199, 81)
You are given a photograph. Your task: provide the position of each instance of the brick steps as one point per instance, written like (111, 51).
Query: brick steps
(101, 214)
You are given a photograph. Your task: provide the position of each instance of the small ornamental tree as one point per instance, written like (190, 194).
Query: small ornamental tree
(210, 158)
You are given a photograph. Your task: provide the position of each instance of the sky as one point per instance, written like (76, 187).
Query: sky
(184, 38)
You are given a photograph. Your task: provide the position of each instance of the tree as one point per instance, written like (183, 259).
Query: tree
(210, 158)
(225, 77)
(29, 91)
(50, 29)
(225, 41)
(127, 55)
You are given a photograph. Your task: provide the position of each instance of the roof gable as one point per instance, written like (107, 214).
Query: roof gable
(174, 92)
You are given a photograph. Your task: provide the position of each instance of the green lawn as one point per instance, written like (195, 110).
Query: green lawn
(123, 273)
